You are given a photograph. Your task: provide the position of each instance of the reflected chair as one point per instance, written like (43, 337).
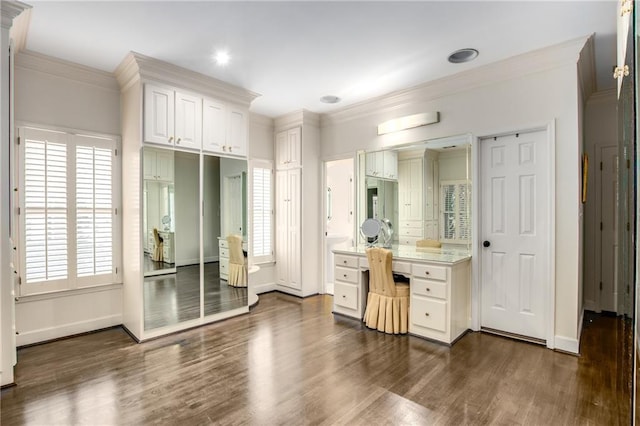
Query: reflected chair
(158, 251)
(387, 301)
(237, 262)
(428, 243)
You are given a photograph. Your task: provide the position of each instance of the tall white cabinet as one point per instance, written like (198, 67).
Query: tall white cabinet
(297, 206)
(162, 104)
(410, 200)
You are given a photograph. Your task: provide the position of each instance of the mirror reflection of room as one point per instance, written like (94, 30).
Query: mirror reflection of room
(424, 191)
(215, 193)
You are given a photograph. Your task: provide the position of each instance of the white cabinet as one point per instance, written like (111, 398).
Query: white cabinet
(289, 149)
(349, 297)
(158, 165)
(172, 118)
(223, 257)
(288, 230)
(382, 164)
(440, 301)
(431, 199)
(410, 225)
(224, 128)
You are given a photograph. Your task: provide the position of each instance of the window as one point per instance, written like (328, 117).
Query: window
(456, 204)
(68, 219)
(262, 211)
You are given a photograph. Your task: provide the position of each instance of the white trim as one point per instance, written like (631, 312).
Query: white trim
(475, 235)
(566, 344)
(49, 333)
(263, 288)
(551, 290)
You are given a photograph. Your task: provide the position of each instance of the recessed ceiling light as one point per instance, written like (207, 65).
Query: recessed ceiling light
(330, 99)
(463, 55)
(222, 58)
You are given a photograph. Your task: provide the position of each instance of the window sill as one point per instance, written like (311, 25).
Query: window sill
(67, 293)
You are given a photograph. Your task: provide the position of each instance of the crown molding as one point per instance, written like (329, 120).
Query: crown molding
(20, 29)
(536, 61)
(64, 69)
(135, 67)
(296, 118)
(9, 10)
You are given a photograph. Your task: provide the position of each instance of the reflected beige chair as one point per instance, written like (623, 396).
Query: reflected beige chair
(158, 250)
(388, 301)
(237, 262)
(428, 243)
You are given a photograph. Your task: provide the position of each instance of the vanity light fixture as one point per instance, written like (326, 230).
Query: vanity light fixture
(463, 55)
(408, 122)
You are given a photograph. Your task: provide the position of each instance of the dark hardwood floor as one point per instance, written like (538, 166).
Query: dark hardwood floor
(174, 298)
(290, 361)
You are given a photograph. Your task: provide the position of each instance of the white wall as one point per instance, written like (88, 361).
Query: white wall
(56, 93)
(211, 195)
(529, 91)
(600, 128)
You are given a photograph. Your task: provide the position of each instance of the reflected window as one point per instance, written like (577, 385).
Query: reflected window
(456, 204)
(262, 211)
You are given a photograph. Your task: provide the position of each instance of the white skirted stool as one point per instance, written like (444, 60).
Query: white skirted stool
(237, 262)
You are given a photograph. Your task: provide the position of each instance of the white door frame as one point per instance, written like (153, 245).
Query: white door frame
(476, 265)
(354, 157)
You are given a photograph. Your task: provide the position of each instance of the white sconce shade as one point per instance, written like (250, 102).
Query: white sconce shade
(408, 122)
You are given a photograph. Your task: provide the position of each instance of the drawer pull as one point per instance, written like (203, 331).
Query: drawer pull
(344, 296)
(428, 289)
(344, 275)
(426, 272)
(344, 261)
(426, 314)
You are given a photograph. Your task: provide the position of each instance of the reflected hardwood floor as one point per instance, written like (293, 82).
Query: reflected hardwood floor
(174, 298)
(290, 361)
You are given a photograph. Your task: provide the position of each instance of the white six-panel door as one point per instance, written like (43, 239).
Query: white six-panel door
(514, 233)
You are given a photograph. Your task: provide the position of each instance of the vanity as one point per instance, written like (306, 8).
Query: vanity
(440, 283)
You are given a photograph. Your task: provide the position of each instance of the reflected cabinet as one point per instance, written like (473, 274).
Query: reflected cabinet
(184, 194)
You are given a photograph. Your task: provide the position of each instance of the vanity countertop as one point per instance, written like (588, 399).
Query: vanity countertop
(413, 253)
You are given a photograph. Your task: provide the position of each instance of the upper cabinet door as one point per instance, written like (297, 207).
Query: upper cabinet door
(188, 121)
(237, 131)
(214, 126)
(158, 115)
(289, 149)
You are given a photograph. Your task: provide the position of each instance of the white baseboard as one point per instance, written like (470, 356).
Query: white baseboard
(567, 344)
(211, 259)
(263, 288)
(589, 305)
(49, 333)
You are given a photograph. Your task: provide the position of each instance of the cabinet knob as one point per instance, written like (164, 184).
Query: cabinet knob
(230, 148)
(345, 275)
(428, 289)
(224, 148)
(426, 314)
(345, 262)
(178, 141)
(344, 296)
(170, 139)
(427, 272)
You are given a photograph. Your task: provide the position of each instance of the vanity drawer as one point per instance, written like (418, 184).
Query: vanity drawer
(410, 224)
(346, 274)
(223, 244)
(411, 232)
(224, 253)
(401, 267)
(345, 295)
(429, 288)
(348, 261)
(430, 271)
(224, 266)
(429, 313)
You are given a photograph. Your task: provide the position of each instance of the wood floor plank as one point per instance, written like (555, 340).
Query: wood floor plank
(290, 361)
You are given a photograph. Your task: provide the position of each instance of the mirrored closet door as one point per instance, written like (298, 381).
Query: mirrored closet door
(192, 203)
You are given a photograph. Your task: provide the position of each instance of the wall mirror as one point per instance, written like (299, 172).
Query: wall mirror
(192, 202)
(424, 189)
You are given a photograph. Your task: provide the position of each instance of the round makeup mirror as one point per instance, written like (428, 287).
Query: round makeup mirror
(370, 229)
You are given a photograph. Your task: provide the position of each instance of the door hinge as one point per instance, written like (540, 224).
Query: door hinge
(18, 210)
(19, 280)
(601, 165)
(601, 226)
(628, 226)
(18, 140)
(600, 285)
(116, 152)
(117, 272)
(628, 163)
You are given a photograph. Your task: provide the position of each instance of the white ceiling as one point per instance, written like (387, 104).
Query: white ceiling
(293, 53)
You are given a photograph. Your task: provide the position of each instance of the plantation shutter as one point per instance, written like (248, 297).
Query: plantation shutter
(262, 213)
